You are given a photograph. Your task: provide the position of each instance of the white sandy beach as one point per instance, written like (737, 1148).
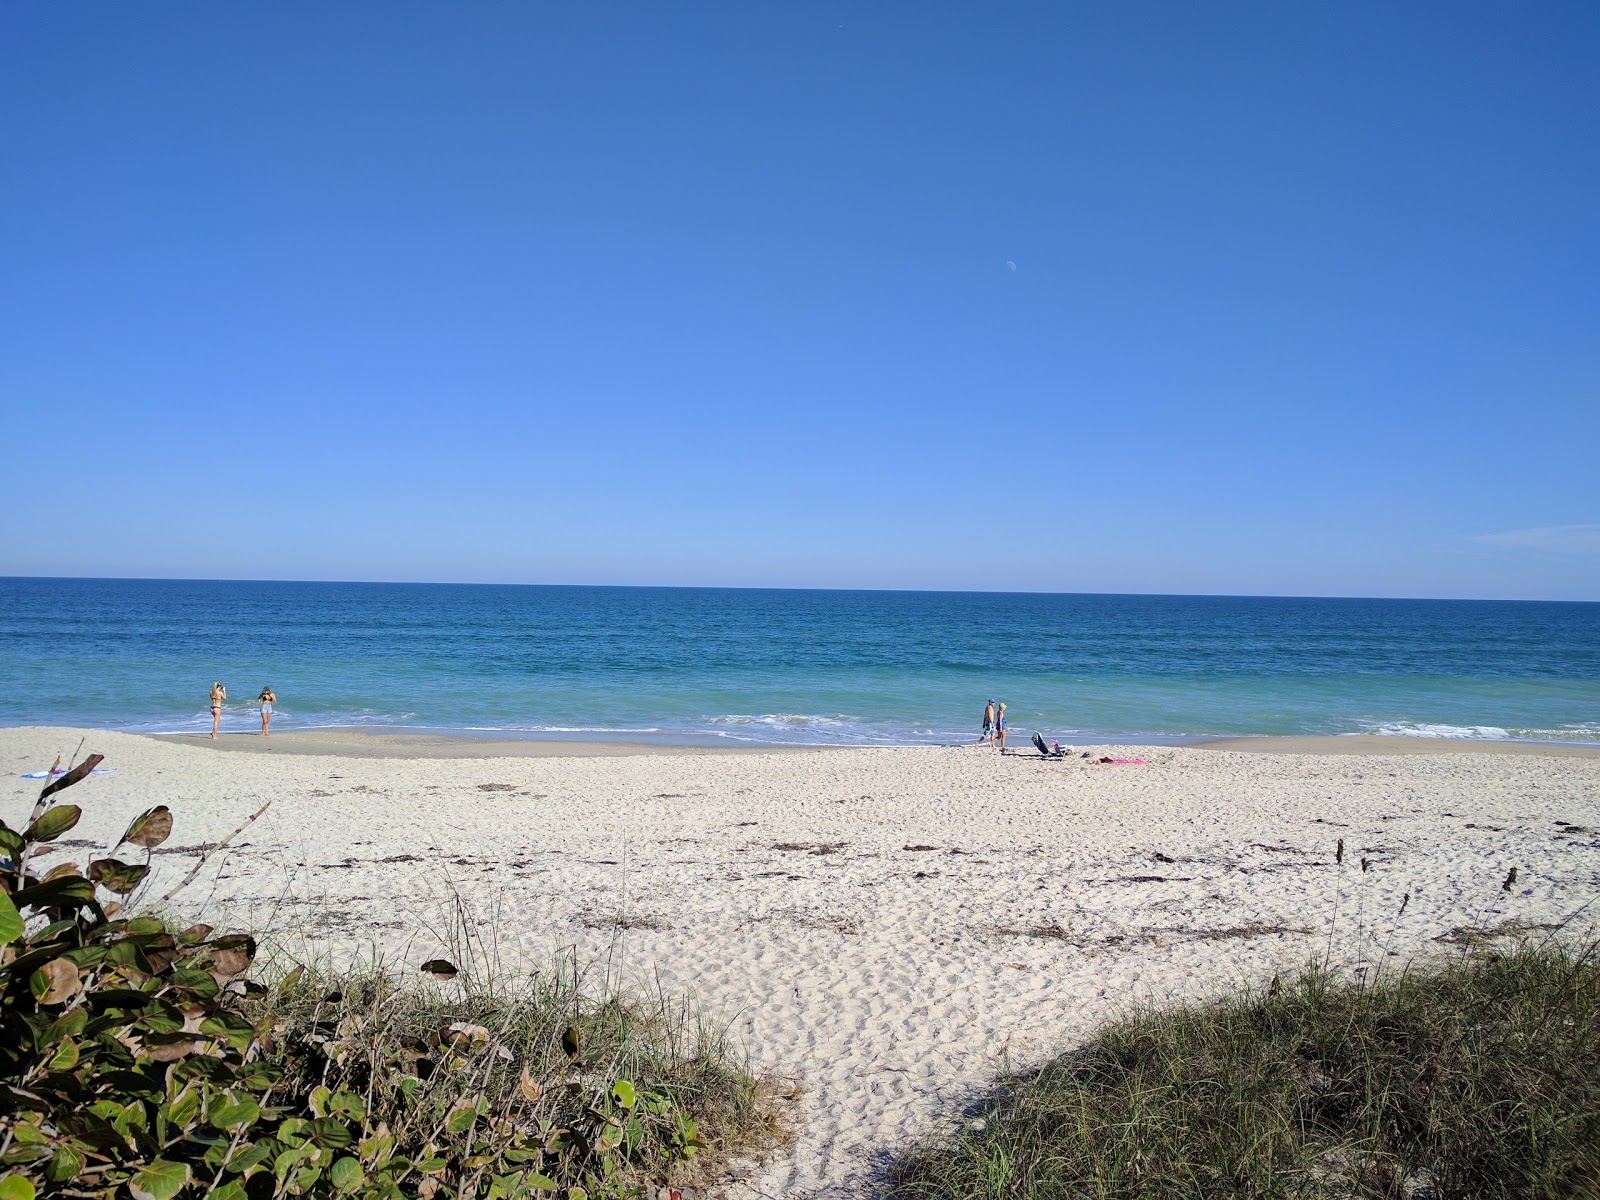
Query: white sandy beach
(889, 928)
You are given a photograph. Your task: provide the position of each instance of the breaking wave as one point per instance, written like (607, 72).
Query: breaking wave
(1582, 732)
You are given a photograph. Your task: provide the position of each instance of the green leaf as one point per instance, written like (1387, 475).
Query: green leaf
(15, 1187)
(56, 893)
(26, 1133)
(184, 1110)
(349, 1105)
(11, 841)
(10, 931)
(234, 1030)
(330, 1134)
(290, 1159)
(125, 952)
(53, 930)
(251, 1156)
(53, 822)
(64, 1166)
(345, 1175)
(199, 982)
(132, 1083)
(318, 1101)
(232, 1190)
(229, 1111)
(688, 1136)
(161, 1180)
(623, 1093)
(68, 1026)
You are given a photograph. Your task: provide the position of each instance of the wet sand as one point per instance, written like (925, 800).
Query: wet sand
(405, 743)
(1372, 743)
(389, 743)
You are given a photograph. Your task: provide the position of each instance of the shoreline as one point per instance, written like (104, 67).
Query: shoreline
(1388, 743)
(388, 742)
(392, 742)
(407, 742)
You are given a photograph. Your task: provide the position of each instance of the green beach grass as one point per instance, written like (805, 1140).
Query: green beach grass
(1478, 1077)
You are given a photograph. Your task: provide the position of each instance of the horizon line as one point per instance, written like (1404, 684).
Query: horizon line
(709, 587)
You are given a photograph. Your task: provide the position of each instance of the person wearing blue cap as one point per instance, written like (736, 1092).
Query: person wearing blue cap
(988, 724)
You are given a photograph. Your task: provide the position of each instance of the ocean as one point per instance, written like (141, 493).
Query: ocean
(791, 667)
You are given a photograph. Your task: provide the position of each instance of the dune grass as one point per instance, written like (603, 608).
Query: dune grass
(1478, 1077)
(546, 1046)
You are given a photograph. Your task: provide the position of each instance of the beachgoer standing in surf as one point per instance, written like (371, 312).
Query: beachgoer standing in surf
(218, 695)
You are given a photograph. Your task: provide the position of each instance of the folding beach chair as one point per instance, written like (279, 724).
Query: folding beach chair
(1043, 747)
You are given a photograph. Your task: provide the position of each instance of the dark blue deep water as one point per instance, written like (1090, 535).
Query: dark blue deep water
(791, 666)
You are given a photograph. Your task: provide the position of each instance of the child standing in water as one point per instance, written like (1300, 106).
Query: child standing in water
(267, 699)
(218, 695)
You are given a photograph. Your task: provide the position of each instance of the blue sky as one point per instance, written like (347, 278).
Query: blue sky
(1240, 298)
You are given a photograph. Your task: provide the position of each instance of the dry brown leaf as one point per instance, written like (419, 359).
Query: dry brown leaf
(61, 981)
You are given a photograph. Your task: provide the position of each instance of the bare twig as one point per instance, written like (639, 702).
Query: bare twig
(189, 878)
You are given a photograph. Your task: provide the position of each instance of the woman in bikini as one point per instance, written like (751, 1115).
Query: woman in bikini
(267, 699)
(218, 695)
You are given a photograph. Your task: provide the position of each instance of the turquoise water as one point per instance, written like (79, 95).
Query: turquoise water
(791, 666)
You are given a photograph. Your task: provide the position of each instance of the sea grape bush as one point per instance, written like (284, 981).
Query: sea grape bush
(142, 1061)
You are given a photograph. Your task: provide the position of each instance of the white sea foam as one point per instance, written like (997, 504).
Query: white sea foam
(1426, 729)
(817, 729)
(285, 719)
(781, 720)
(1587, 731)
